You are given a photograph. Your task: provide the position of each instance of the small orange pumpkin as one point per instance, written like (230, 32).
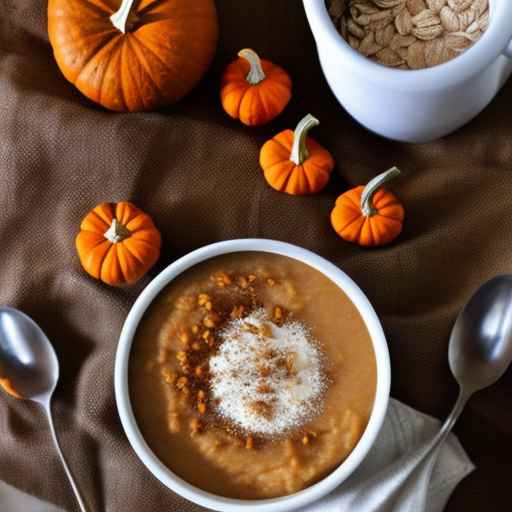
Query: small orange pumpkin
(254, 90)
(369, 216)
(118, 243)
(294, 163)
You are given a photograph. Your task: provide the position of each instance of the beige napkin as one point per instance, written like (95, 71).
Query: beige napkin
(13, 500)
(404, 430)
(376, 486)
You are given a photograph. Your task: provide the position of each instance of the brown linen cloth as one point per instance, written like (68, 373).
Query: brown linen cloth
(196, 172)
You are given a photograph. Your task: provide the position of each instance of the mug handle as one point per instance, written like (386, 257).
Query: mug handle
(508, 50)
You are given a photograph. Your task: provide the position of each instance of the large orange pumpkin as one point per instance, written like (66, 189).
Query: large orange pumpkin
(140, 55)
(118, 243)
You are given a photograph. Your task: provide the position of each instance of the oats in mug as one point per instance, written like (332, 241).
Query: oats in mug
(410, 34)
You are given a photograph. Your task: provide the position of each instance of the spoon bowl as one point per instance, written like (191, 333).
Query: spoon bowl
(29, 369)
(27, 358)
(480, 349)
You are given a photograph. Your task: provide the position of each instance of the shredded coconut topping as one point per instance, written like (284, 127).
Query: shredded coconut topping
(267, 379)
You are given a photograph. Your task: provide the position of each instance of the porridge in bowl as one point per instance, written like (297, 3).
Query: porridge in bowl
(252, 376)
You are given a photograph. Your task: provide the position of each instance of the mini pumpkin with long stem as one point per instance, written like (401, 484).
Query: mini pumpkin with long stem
(254, 90)
(294, 163)
(118, 243)
(369, 216)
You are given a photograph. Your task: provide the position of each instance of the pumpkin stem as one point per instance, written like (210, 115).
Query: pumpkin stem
(371, 188)
(300, 151)
(256, 73)
(117, 232)
(120, 18)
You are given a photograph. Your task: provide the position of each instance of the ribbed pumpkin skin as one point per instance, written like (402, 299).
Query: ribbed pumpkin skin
(380, 229)
(258, 104)
(283, 175)
(162, 59)
(124, 262)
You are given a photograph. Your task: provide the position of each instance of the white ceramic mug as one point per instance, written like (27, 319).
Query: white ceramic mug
(421, 105)
(219, 503)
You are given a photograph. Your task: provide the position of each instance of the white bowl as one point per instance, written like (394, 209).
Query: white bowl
(194, 494)
(421, 105)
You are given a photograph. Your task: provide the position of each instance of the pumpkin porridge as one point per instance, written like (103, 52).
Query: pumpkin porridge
(252, 376)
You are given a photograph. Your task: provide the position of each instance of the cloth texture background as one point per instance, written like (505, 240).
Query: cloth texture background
(196, 172)
(404, 429)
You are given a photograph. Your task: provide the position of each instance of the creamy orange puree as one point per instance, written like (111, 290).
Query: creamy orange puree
(306, 389)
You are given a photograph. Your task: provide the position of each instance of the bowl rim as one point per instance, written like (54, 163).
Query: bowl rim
(220, 503)
(491, 45)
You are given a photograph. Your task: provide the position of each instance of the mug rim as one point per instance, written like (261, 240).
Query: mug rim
(217, 502)
(484, 52)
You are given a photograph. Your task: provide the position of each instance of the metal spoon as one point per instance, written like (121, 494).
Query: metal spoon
(480, 351)
(29, 369)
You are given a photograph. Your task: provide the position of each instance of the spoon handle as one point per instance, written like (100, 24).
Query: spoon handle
(76, 491)
(416, 458)
(447, 425)
(422, 463)
(404, 484)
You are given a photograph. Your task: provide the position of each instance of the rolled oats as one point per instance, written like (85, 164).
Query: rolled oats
(458, 41)
(426, 18)
(410, 34)
(404, 53)
(466, 18)
(386, 15)
(483, 21)
(388, 57)
(474, 27)
(428, 33)
(480, 6)
(380, 24)
(449, 20)
(337, 8)
(384, 36)
(434, 52)
(397, 10)
(368, 46)
(354, 29)
(403, 23)
(400, 41)
(416, 6)
(387, 4)
(436, 5)
(365, 7)
(416, 55)
(460, 5)
(354, 42)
